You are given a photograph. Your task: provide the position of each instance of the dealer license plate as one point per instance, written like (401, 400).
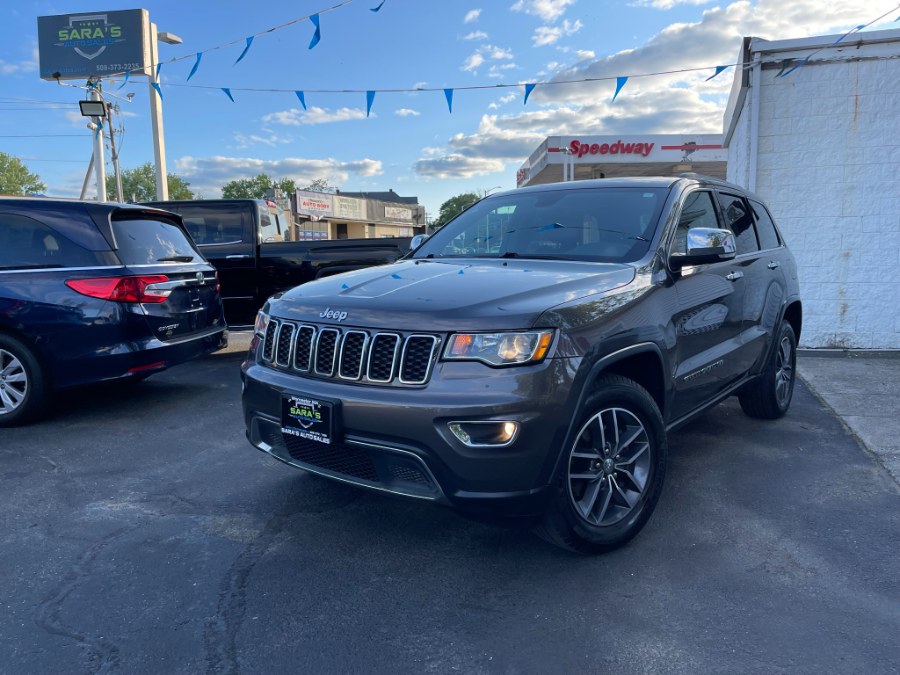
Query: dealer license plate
(307, 417)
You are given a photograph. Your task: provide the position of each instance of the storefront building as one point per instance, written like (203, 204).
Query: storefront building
(323, 215)
(820, 146)
(561, 158)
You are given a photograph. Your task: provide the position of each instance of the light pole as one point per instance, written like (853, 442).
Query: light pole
(159, 142)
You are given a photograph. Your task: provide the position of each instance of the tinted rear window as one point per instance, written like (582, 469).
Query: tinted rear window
(143, 240)
(26, 242)
(765, 228)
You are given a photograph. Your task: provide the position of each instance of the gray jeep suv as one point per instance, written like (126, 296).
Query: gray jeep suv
(527, 360)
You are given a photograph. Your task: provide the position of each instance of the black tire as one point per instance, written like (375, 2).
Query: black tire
(23, 386)
(769, 396)
(601, 497)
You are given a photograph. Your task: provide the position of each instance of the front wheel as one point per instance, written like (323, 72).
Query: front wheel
(769, 397)
(611, 476)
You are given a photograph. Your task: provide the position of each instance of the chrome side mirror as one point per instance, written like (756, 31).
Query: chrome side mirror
(417, 241)
(705, 245)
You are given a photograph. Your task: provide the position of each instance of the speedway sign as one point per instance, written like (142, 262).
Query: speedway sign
(95, 44)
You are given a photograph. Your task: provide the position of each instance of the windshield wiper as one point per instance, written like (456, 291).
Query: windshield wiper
(176, 258)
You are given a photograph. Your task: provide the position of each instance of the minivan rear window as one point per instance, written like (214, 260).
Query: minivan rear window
(143, 241)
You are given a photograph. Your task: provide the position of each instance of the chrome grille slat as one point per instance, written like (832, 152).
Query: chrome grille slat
(350, 354)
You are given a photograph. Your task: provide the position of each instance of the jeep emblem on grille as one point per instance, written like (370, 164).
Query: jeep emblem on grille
(333, 314)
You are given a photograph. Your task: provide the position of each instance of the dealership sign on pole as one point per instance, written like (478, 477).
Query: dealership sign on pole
(95, 44)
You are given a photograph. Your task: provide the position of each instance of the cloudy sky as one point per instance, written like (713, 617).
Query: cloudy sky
(410, 142)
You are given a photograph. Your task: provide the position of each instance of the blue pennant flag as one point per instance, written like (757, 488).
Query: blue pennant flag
(228, 93)
(318, 34)
(370, 97)
(127, 74)
(158, 67)
(784, 64)
(849, 32)
(244, 53)
(302, 98)
(155, 85)
(98, 128)
(528, 89)
(719, 69)
(620, 82)
(196, 65)
(375, 9)
(449, 94)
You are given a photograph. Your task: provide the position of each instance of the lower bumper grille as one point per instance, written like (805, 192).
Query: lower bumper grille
(342, 459)
(374, 466)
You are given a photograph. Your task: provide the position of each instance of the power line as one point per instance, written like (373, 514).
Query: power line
(43, 136)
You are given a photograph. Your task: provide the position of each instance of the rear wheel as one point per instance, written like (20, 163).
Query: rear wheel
(23, 391)
(610, 478)
(769, 396)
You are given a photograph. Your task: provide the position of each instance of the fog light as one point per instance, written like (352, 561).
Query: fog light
(488, 433)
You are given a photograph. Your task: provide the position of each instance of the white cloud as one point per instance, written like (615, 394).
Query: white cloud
(503, 100)
(667, 4)
(472, 15)
(498, 70)
(207, 175)
(548, 35)
(476, 35)
(407, 112)
(472, 63)
(296, 117)
(548, 10)
(19, 67)
(583, 54)
(247, 140)
(483, 53)
(676, 103)
(457, 166)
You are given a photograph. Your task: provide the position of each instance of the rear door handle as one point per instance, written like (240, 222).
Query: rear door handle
(734, 276)
(772, 265)
(236, 257)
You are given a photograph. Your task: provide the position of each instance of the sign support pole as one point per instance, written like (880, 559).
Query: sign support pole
(159, 142)
(99, 158)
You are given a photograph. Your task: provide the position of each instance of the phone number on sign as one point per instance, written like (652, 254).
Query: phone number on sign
(118, 67)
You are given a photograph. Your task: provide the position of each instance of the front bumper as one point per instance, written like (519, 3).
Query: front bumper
(395, 439)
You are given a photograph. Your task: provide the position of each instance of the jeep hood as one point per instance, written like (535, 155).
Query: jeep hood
(443, 295)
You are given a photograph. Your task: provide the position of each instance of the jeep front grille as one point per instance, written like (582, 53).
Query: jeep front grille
(350, 354)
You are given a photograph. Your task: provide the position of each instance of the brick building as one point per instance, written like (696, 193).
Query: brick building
(820, 145)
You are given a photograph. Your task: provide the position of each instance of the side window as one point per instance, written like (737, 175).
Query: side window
(697, 211)
(267, 231)
(740, 221)
(25, 242)
(765, 228)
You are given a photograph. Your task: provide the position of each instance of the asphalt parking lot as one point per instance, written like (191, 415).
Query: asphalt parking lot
(141, 533)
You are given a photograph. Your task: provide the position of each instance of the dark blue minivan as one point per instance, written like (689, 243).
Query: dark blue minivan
(97, 292)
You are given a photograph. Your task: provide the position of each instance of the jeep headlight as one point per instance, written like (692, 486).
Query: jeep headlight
(262, 322)
(499, 349)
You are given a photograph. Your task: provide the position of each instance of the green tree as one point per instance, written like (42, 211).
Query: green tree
(255, 188)
(16, 179)
(139, 185)
(454, 206)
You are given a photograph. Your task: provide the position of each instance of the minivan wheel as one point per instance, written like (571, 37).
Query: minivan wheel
(23, 391)
(611, 475)
(769, 396)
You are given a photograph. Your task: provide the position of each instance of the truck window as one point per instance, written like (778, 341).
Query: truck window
(213, 224)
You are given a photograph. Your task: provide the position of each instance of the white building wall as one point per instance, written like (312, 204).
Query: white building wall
(738, 171)
(829, 169)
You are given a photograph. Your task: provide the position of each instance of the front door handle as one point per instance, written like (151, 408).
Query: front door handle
(772, 265)
(236, 257)
(734, 276)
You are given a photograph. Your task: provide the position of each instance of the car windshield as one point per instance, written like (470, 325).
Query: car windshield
(614, 224)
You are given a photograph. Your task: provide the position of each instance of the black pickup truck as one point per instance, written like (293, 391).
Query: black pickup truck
(529, 358)
(244, 239)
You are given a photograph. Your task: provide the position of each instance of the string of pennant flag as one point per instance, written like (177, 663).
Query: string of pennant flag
(788, 66)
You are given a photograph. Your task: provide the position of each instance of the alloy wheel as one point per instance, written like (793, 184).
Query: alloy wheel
(784, 371)
(609, 466)
(13, 382)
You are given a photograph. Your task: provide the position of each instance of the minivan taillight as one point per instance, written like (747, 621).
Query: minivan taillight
(122, 289)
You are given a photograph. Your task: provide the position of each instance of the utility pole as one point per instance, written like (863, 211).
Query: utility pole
(112, 147)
